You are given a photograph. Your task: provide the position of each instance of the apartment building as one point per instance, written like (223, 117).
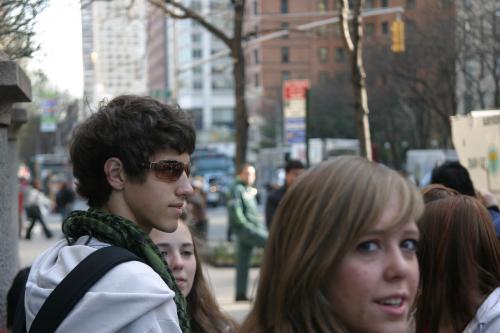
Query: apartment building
(178, 72)
(316, 54)
(114, 46)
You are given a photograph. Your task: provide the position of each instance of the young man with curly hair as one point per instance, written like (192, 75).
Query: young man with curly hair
(131, 162)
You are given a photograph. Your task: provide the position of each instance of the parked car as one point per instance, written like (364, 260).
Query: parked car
(217, 170)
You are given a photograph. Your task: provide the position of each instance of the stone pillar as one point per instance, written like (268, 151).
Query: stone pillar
(14, 87)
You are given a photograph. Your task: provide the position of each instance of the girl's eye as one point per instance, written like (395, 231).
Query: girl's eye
(164, 254)
(187, 253)
(410, 245)
(368, 246)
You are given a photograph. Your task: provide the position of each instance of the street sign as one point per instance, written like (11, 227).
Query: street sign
(48, 121)
(294, 110)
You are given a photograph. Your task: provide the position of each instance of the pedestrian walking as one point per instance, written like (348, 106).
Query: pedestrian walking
(37, 205)
(246, 223)
(197, 210)
(65, 198)
(341, 255)
(293, 169)
(180, 251)
(131, 162)
(459, 258)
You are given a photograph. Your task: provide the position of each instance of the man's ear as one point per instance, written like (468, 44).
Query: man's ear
(115, 174)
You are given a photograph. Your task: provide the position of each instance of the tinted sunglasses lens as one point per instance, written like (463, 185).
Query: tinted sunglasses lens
(170, 170)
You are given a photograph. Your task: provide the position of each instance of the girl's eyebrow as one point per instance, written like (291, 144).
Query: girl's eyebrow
(379, 232)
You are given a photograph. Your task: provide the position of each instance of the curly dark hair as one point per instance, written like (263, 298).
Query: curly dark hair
(130, 128)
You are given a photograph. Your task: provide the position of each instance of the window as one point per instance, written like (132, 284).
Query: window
(196, 53)
(196, 38)
(197, 70)
(284, 6)
(369, 30)
(223, 117)
(221, 83)
(256, 56)
(196, 5)
(447, 3)
(255, 7)
(284, 26)
(410, 4)
(285, 75)
(322, 6)
(196, 117)
(370, 4)
(385, 28)
(285, 55)
(256, 80)
(323, 55)
(197, 84)
(340, 54)
(384, 3)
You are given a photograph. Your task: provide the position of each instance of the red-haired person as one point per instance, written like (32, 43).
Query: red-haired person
(459, 258)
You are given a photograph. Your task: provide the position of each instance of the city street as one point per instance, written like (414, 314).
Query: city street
(221, 279)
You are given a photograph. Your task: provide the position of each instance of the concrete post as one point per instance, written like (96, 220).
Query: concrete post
(14, 87)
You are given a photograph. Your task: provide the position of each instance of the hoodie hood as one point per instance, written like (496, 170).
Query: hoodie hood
(127, 299)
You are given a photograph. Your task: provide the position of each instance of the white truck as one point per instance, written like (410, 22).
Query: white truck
(476, 137)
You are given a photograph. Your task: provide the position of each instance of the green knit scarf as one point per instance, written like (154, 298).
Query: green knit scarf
(118, 231)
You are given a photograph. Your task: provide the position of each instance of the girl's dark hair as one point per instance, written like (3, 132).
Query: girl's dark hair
(130, 128)
(459, 257)
(202, 306)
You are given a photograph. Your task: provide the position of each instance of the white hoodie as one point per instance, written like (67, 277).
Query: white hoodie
(131, 297)
(487, 319)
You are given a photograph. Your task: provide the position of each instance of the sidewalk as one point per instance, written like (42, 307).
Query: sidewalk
(222, 280)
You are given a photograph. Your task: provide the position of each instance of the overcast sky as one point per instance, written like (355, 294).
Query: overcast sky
(59, 32)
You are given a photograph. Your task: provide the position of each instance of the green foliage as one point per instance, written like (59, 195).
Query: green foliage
(223, 254)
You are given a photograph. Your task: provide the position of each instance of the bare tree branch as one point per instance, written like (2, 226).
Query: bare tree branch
(16, 27)
(191, 14)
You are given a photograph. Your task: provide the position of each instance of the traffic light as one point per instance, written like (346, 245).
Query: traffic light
(397, 36)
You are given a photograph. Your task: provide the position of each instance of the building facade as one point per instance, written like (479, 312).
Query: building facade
(180, 66)
(114, 47)
(318, 54)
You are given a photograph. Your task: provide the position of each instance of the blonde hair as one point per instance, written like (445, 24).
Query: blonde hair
(318, 221)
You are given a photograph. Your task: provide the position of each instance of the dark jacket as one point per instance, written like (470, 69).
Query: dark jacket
(272, 203)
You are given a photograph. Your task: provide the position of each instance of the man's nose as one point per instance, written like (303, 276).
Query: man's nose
(184, 187)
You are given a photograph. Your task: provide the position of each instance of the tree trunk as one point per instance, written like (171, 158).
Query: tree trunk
(361, 104)
(354, 47)
(241, 114)
(240, 110)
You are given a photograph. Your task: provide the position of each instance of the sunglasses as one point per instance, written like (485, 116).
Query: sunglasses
(169, 171)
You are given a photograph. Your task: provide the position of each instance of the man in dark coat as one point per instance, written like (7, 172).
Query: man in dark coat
(293, 169)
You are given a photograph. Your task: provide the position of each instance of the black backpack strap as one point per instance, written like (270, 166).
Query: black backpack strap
(74, 286)
(19, 324)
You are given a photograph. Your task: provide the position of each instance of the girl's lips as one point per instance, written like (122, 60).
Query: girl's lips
(395, 306)
(181, 283)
